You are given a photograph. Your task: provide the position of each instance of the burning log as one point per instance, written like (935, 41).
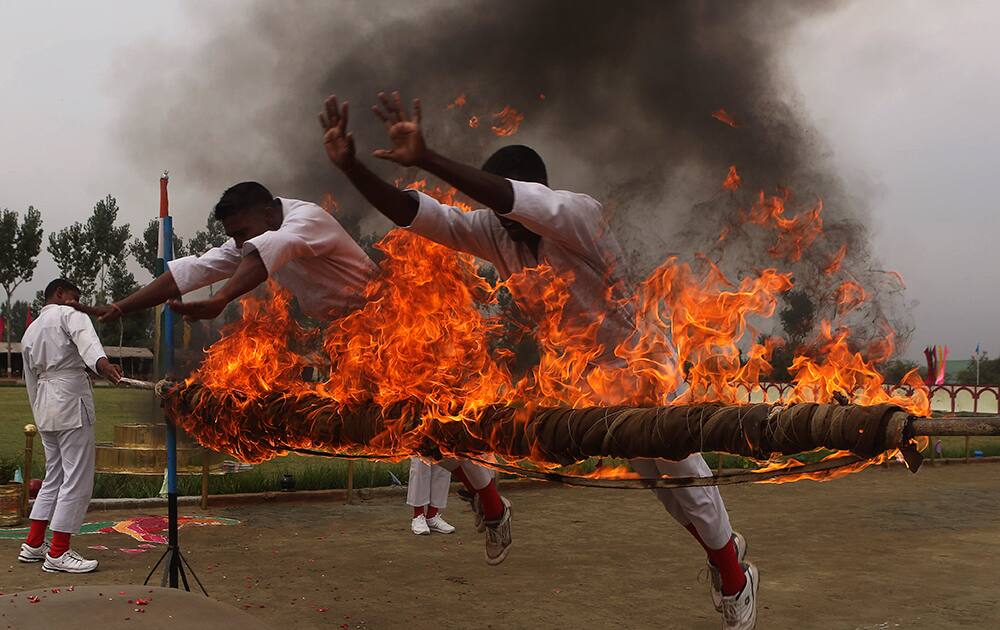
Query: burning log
(259, 428)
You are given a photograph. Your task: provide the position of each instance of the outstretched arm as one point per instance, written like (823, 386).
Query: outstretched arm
(409, 149)
(157, 292)
(248, 276)
(396, 205)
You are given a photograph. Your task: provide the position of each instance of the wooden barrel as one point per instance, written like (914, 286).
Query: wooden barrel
(10, 504)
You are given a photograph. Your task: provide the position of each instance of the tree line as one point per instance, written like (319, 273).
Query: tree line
(94, 255)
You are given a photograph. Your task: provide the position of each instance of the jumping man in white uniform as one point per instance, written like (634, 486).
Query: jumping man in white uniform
(524, 224)
(58, 348)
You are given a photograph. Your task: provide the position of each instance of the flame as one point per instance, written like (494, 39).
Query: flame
(836, 261)
(723, 116)
(423, 349)
(507, 121)
(458, 102)
(473, 122)
(794, 234)
(848, 296)
(732, 181)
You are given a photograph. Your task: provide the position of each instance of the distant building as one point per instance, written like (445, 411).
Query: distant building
(135, 362)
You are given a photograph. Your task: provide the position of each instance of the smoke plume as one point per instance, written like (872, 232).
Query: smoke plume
(618, 98)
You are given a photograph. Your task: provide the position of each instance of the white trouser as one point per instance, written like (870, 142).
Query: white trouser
(69, 478)
(428, 485)
(699, 506)
(478, 476)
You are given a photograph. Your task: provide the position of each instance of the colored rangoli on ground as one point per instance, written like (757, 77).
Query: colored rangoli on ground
(145, 529)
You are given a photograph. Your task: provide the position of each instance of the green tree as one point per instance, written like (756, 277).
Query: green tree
(20, 243)
(894, 371)
(85, 251)
(214, 235)
(989, 372)
(797, 316)
(145, 249)
(136, 329)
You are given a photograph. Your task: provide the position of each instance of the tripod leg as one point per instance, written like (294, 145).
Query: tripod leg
(194, 575)
(180, 569)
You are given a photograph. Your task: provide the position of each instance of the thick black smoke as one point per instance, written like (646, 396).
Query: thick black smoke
(629, 89)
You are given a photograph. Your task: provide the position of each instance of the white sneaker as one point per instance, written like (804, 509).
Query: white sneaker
(33, 554)
(498, 538)
(739, 612)
(439, 525)
(419, 526)
(69, 562)
(716, 578)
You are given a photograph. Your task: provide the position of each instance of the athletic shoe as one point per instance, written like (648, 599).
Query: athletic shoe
(419, 526)
(498, 539)
(716, 578)
(69, 562)
(739, 612)
(439, 525)
(33, 554)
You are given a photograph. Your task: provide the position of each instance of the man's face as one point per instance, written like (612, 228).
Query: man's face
(517, 232)
(243, 226)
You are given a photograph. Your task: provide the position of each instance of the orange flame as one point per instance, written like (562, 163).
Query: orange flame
(732, 181)
(458, 102)
(723, 116)
(837, 260)
(508, 120)
(473, 122)
(425, 341)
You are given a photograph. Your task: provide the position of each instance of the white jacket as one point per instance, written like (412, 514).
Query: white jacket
(57, 348)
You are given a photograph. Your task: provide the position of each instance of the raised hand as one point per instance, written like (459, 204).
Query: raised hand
(204, 309)
(338, 142)
(407, 139)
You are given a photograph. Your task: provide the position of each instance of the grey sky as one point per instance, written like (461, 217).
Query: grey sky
(905, 93)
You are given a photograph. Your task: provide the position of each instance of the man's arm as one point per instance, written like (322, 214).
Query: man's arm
(248, 276)
(396, 205)
(409, 149)
(30, 380)
(80, 329)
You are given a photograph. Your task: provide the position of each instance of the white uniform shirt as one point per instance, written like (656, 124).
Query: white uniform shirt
(575, 237)
(311, 255)
(56, 348)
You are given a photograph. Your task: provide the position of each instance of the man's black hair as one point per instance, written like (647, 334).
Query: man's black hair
(518, 162)
(242, 196)
(59, 283)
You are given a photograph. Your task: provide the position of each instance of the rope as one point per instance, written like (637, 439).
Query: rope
(638, 483)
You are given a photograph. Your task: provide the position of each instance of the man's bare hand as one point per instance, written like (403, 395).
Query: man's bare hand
(103, 312)
(408, 146)
(110, 371)
(204, 309)
(338, 142)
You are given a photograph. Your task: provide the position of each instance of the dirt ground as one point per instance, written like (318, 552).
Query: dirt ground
(881, 549)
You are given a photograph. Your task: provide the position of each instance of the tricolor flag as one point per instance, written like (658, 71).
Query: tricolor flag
(28, 319)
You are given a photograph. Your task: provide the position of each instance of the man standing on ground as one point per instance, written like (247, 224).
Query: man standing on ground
(57, 349)
(526, 224)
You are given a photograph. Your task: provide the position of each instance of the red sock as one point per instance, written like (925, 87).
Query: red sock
(36, 536)
(725, 560)
(60, 544)
(492, 505)
(417, 511)
(459, 474)
(431, 511)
